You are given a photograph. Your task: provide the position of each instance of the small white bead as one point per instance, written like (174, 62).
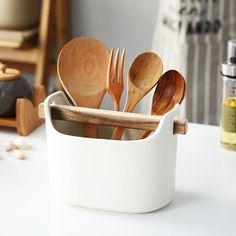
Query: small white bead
(19, 155)
(20, 144)
(8, 146)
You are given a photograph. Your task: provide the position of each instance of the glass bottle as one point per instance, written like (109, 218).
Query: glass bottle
(228, 103)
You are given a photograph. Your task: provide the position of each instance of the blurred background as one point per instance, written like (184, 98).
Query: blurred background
(119, 24)
(190, 36)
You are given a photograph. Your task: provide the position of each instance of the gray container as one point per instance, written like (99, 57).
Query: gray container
(12, 86)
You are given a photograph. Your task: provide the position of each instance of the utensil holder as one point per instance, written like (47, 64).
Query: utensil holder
(135, 176)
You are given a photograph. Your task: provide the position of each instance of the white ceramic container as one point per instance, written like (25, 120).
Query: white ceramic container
(135, 176)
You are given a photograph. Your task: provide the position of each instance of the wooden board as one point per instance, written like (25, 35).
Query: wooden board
(26, 119)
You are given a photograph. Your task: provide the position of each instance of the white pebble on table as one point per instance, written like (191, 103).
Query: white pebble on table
(21, 144)
(19, 154)
(8, 146)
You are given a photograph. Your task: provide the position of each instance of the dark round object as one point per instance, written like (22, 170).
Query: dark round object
(10, 90)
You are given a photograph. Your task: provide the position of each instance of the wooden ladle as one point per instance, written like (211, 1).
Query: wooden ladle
(169, 91)
(144, 73)
(82, 69)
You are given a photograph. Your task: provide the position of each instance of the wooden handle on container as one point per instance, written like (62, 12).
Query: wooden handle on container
(111, 118)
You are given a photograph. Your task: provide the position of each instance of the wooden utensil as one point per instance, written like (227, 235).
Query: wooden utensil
(170, 90)
(112, 118)
(82, 69)
(143, 74)
(115, 79)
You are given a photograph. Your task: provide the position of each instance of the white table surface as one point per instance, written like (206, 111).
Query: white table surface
(204, 204)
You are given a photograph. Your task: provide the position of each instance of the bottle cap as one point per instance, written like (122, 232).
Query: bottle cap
(231, 52)
(229, 67)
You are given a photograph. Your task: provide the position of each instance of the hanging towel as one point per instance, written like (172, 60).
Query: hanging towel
(191, 36)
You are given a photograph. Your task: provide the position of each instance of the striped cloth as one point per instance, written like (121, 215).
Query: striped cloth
(191, 36)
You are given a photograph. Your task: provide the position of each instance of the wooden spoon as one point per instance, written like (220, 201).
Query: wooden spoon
(143, 74)
(82, 69)
(170, 90)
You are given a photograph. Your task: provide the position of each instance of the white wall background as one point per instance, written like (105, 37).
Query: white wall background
(118, 23)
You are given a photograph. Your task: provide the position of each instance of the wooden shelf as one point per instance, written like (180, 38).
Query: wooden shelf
(54, 19)
(35, 56)
(29, 55)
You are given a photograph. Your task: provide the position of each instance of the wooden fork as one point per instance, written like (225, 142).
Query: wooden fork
(115, 79)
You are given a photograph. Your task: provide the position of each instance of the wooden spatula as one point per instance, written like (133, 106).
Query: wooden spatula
(82, 68)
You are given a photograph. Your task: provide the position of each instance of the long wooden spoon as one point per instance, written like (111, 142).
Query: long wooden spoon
(82, 69)
(170, 90)
(143, 74)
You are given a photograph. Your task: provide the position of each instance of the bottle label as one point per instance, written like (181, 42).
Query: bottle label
(228, 119)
